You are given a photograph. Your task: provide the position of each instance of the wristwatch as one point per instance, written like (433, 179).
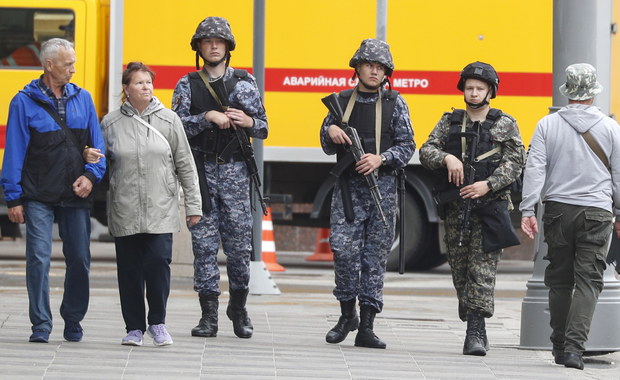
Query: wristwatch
(489, 185)
(383, 159)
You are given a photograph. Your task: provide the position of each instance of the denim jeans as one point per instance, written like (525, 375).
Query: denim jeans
(74, 229)
(578, 240)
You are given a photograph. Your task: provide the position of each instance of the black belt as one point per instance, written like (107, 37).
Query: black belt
(216, 158)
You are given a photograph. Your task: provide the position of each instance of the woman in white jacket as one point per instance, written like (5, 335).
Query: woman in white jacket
(148, 156)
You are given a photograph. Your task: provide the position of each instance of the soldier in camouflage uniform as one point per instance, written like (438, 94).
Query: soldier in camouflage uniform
(499, 161)
(581, 193)
(360, 240)
(224, 179)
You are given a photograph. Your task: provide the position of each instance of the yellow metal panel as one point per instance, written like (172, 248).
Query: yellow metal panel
(512, 35)
(318, 34)
(159, 32)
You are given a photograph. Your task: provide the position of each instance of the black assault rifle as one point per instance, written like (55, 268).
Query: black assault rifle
(470, 173)
(244, 144)
(356, 148)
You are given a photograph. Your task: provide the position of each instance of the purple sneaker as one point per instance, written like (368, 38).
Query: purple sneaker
(133, 338)
(159, 334)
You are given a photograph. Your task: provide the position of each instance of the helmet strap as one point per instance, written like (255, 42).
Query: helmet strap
(214, 64)
(478, 105)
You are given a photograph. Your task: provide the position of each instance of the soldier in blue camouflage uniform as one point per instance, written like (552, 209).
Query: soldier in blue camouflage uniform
(498, 163)
(224, 179)
(360, 240)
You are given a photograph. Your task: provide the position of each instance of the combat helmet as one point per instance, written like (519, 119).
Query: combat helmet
(213, 27)
(481, 71)
(373, 50)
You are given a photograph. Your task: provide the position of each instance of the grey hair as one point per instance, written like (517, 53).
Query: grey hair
(50, 48)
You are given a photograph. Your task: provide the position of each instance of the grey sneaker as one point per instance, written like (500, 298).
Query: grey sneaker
(159, 334)
(133, 338)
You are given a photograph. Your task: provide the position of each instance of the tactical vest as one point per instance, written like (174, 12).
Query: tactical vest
(484, 167)
(363, 120)
(211, 140)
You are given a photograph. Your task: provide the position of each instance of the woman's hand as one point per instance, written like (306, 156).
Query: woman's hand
(92, 155)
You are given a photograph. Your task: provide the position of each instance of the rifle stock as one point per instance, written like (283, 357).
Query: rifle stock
(357, 149)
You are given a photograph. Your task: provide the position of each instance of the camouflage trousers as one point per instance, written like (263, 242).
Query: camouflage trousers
(473, 270)
(229, 221)
(577, 238)
(361, 247)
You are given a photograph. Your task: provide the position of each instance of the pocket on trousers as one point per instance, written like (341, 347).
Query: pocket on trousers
(553, 230)
(598, 227)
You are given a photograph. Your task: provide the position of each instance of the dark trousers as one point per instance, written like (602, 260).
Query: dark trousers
(143, 260)
(578, 239)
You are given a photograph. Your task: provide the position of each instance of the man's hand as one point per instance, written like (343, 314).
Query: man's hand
(338, 135)
(368, 163)
(218, 118)
(455, 170)
(617, 228)
(475, 190)
(82, 186)
(239, 118)
(16, 214)
(529, 225)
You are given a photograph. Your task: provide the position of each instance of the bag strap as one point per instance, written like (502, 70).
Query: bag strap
(596, 148)
(149, 126)
(48, 108)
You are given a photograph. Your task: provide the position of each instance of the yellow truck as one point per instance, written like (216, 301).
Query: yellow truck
(308, 45)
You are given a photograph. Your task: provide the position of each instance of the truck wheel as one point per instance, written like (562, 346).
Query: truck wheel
(421, 241)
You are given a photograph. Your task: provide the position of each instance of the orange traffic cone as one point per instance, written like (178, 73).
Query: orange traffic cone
(269, 245)
(322, 251)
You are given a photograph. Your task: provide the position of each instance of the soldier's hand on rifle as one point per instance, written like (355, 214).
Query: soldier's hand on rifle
(529, 225)
(218, 118)
(368, 164)
(239, 118)
(475, 190)
(338, 135)
(455, 170)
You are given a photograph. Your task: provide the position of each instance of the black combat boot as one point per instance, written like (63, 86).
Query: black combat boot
(348, 321)
(483, 336)
(474, 344)
(236, 312)
(365, 336)
(207, 326)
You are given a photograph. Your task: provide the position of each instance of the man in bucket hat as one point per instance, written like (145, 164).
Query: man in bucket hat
(573, 167)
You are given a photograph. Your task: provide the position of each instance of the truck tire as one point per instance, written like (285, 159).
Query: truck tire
(421, 243)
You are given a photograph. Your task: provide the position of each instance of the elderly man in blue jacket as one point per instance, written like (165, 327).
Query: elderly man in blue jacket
(45, 179)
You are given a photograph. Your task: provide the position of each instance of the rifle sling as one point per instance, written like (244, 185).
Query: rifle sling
(204, 78)
(378, 114)
(464, 144)
(596, 148)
